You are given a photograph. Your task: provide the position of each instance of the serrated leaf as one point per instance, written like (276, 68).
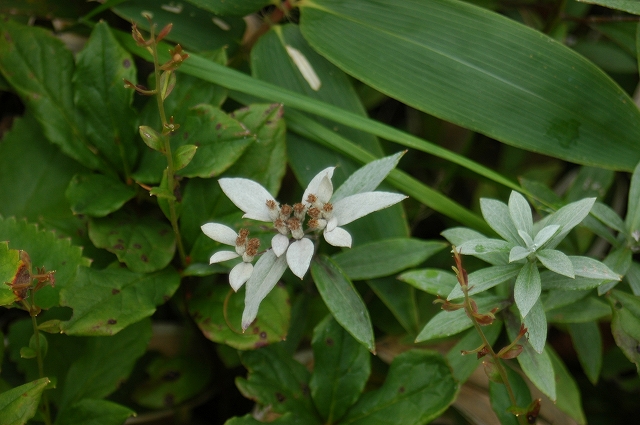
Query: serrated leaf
(207, 307)
(46, 250)
(418, 388)
(367, 178)
(106, 301)
(172, 381)
(556, 261)
(220, 139)
(142, 243)
(48, 91)
(385, 257)
(537, 366)
(625, 324)
(102, 104)
(94, 412)
(342, 300)
(447, 323)
(9, 266)
(527, 288)
(475, 88)
(483, 279)
(587, 341)
(105, 362)
(432, 281)
(20, 404)
(81, 194)
(341, 369)
(277, 380)
(497, 215)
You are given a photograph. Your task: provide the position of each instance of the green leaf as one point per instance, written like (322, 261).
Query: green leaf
(265, 160)
(172, 381)
(590, 182)
(464, 365)
(432, 281)
(633, 277)
(555, 112)
(459, 235)
(556, 261)
(605, 214)
(592, 269)
(220, 139)
(277, 380)
(68, 9)
(94, 412)
(194, 28)
(342, 300)
(20, 404)
(536, 323)
(142, 243)
(630, 6)
(104, 364)
(385, 257)
(569, 400)
(520, 213)
(106, 301)
(367, 178)
(587, 342)
(9, 266)
(537, 366)
(47, 91)
(207, 307)
(40, 192)
(81, 194)
(527, 289)
(632, 219)
(567, 218)
(484, 246)
(152, 138)
(447, 323)
(418, 388)
(497, 215)
(551, 280)
(618, 260)
(233, 8)
(104, 106)
(483, 279)
(625, 324)
(400, 300)
(183, 156)
(341, 369)
(499, 397)
(46, 250)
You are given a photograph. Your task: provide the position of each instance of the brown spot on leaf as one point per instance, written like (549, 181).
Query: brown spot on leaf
(171, 375)
(126, 63)
(163, 232)
(263, 335)
(118, 246)
(329, 342)
(137, 246)
(401, 390)
(144, 258)
(218, 126)
(280, 397)
(169, 400)
(185, 135)
(112, 322)
(115, 291)
(305, 389)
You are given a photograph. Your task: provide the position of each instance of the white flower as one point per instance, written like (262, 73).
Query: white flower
(245, 248)
(329, 217)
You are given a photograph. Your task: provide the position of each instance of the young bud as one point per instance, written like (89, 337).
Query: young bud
(164, 32)
(137, 36)
(510, 352)
(152, 138)
(492, 372)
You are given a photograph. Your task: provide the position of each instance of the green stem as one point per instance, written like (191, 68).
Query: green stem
(173, 216)
(46, 414)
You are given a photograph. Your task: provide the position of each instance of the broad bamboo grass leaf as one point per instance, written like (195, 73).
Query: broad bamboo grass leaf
(510, 82)
(20, 404)
(587, 341)
(342, 300)
(341, 369)
(106, 301)
(631, 6)
(231, 8)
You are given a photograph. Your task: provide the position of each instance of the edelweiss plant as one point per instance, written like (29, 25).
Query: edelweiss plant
(319, 210)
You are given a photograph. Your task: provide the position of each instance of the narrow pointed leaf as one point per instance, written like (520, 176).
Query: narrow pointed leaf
(567, 218)
(592, 269)
(459, 235)
(619, 260)
(400, 299)
(367, 178)
(385, 257)
(585, 310)
(630, 6)
(484, 246)
(476, 87)
(625, 324)
(536, 324)
(342, 300)
(587, 341)
(483, 279)
(569, 399)
(341, 369)
(556, 261)
(20, 404)
(432, 281)
(520, 213)
(632, 219)
(527, 289)
(496, 214)
(544, 235)
(499, 397)
(609, 217)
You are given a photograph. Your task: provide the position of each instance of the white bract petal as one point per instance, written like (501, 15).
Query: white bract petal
(223, 256)
(314, 184)
(239, 275)
(249, 196)
(220, 233)
(279, 243)
(355, 206)
(299, 256)
(331, 224)
(338, 237)
(266, 273)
